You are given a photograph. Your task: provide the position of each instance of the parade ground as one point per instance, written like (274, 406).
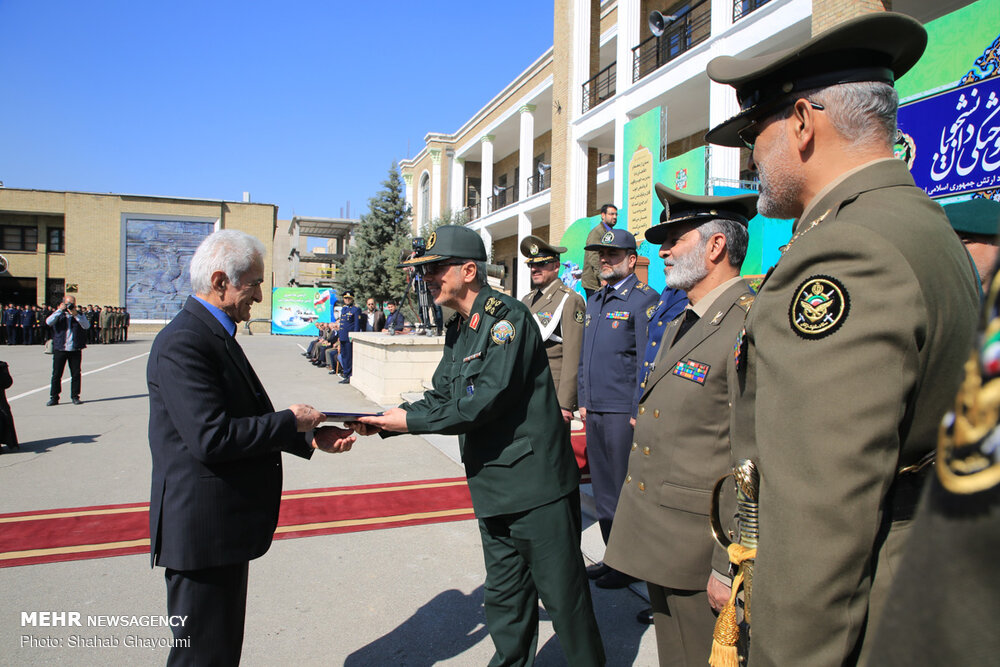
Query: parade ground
(377, 559)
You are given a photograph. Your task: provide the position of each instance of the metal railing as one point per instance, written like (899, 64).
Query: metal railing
(743, 7)
(600, 87)
(470, 213)
(692, 26)
(540, 182)
(739, 184)
(505, 197)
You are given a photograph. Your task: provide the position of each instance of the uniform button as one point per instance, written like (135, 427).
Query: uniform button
(645, 363)
(642, 385)
(642, 410)
(634, 445)
(628, 479)
(654, 343)
(645, 450)
(656, 414)
(730, 404)
(642, 487)
(659, 324)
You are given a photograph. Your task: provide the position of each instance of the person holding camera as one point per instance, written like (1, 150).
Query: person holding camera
(68, 340)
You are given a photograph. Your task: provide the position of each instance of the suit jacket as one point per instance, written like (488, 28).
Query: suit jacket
(564, 357)
(377, 325)
(680, 449)
(854, 349)
(215, 441)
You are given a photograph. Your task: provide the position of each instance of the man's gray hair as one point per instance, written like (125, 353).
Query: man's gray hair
(227, 250)
(736, 238)
(863, 113)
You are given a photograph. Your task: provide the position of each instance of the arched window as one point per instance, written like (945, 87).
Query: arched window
(425, 199)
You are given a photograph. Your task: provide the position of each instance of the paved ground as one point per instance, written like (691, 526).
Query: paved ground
(401, 596)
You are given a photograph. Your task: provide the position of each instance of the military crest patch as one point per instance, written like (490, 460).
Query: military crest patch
(578, 316)
(819, 307)
(544, 317)
(431, 240)
(651, 310)
(609, 237)
(502, 332)
(492, 305)
(533, 249)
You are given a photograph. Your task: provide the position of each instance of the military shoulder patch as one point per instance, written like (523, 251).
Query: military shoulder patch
(578, 316)
(493, 305)
(819, 307)
(502, 332)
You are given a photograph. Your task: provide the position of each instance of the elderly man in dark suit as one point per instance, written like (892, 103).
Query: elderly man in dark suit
(216, 444)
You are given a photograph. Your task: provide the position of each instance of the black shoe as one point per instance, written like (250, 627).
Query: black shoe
(615, 579)
(597, 570)
(645, 616)
(53, 401)
(77, 401)
(345, 381)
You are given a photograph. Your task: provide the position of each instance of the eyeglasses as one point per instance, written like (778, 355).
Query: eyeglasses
(748, 135)
(439, 267)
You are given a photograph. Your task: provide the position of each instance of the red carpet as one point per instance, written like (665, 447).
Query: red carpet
(48, 536)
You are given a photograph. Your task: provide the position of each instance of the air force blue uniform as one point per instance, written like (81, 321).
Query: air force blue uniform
(350, 320)
(671, 304)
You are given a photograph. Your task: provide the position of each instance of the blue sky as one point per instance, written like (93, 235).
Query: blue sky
(305, 104)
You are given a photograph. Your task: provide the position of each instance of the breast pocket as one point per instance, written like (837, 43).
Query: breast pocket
(468, 372)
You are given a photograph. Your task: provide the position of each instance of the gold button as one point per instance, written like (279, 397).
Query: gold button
(654, 343)
(645, 450)
(642, 409)
(642, 385)
(656, 414)
(645, 363)
(642, 487)
(659, 324)
(628, 479)
(634, 445)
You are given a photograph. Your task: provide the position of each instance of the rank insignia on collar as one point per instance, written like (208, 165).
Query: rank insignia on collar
(717, 318)
(502, 332)
(492, 304)
(578, 316)
(651, 310)
(474, 321)
(819, 307)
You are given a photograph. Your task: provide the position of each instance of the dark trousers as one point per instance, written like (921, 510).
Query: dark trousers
(59, 360)
(12, 334)
(684, 623)
(609, 437)
(532, 555)
(214, 600)
(347, 357)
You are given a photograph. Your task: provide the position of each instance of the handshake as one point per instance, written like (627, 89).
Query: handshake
(333, 439)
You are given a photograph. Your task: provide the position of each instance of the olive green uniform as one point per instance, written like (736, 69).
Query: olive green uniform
(681, 447)
(852, 352)
(563, 347)
(591, 278)
(494, 389)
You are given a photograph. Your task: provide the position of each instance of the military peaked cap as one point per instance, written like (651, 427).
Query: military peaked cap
(679, 207)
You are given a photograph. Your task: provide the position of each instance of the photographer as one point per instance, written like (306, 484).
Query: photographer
(68, 340)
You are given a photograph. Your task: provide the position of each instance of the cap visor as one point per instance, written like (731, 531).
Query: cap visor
(417, 261)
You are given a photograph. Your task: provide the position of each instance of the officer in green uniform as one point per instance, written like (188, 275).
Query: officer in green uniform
(681, 442)
(559, 312)
(853, 348)
(493, 388)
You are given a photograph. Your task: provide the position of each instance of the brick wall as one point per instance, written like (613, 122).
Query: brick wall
(828, 13)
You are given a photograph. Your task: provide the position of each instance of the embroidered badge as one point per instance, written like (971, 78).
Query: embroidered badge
(651, 310)
(588, 320)
(533, 249)
(819, 307)
(615, 324)
(431, 240)
(617, 315)
(492, 305)
(472, 356)
(578, 316)
(502, 332)
(474, 322)
(608, 237)
(691, 370)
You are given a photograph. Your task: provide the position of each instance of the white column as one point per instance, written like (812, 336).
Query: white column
(457, 184)
(408, 181)
(523, 276)
(576, 186)
(526, 150)
(488, 242)
(486, 178)
(722, 17)
(628, 37)
(724, 162)
(435, 182)
(621, 160)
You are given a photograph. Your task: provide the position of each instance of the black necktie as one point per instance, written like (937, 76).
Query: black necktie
(690, 317)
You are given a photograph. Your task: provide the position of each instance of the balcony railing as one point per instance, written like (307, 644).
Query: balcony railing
(504, 197)
(540, 182)
(743, 7)
(692, 26)
(599, 88)
(469, 213)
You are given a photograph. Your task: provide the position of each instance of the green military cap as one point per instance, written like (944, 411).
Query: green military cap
(614, 238)
(679, 207)
(879, 46)
(450, 242)
(974, 216)
(538, 251)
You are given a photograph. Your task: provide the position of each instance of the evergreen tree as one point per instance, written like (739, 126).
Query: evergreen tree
(380, 241)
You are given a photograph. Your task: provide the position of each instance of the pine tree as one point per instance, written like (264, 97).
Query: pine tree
(380, 241)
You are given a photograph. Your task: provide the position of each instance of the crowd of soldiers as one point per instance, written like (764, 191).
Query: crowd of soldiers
(26, 324)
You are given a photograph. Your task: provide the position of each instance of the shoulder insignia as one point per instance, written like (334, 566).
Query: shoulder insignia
(718, 317)
(639, 284)
(578, 316)
(474, 322)
(819, 307)
(492, 305)
(502, 332)
(650, 311)
(745, 302)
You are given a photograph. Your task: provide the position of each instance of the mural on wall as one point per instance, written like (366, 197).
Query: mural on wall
(157, 260)
(295, 311)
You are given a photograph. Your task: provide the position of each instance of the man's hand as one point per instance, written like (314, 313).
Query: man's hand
(391, 420)
(567, 415)
(362, 429)
(583, 414)
(718, 593)
(631, 422)
(306, 417)
(333, 440)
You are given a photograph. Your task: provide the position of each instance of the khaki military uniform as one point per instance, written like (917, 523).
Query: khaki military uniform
(591, 279)
(681, 447)
(565, 340)
(852, 352)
